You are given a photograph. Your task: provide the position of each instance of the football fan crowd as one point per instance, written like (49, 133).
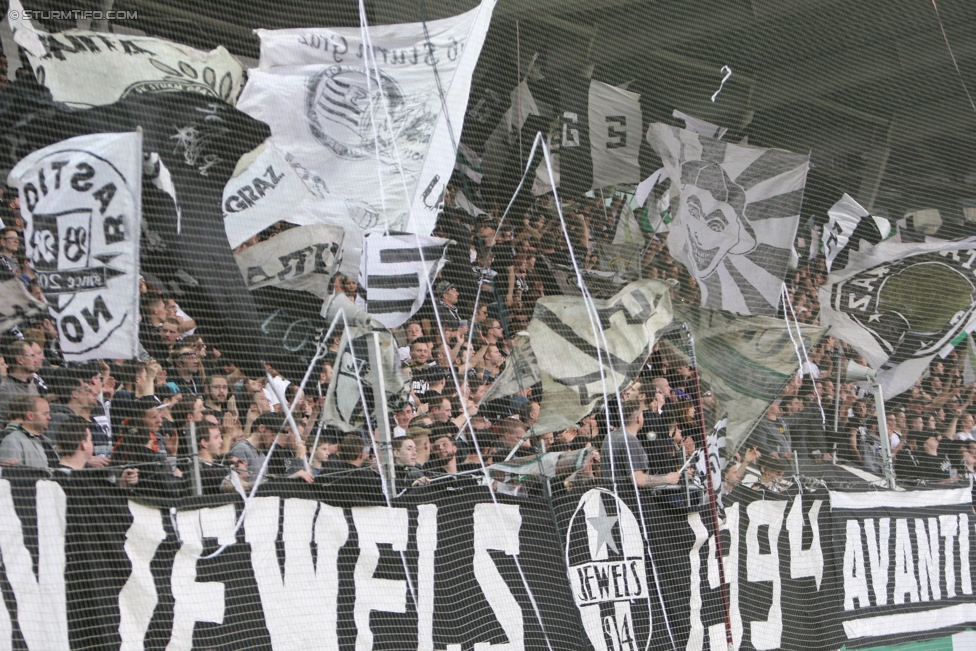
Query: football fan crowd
(136, 419)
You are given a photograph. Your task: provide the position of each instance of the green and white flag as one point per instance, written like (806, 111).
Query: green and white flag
(746, 360)
(579, 357)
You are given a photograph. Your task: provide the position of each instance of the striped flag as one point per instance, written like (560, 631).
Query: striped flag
(395, 275)
(576, 365)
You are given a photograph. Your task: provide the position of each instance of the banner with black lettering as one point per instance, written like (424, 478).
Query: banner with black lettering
(378, 112)
(877, 305)
(304, 258)
(81, 200)
(85, 68)
(601, 128)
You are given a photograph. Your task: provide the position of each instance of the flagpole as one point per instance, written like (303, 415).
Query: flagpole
(712, 501)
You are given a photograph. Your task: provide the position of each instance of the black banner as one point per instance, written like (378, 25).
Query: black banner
(332, 566)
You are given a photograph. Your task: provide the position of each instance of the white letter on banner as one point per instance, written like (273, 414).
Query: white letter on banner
(967, 579)
(904, 564)
(41, 608)
(300, 595)
(331, 533)
(878, 557)
(426, 548)
(765, 567)
(928, 558)
(730, 566)
(696, 636)
(949, 526)
(137, 599)
(497, 526)
(810, 562)
(855, 581)
(197, 602)
(375, 525)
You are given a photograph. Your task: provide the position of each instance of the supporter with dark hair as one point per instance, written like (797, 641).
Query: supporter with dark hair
(287, 455)
(187, 371)
(24, 360)
(622, 456)
(9, 248)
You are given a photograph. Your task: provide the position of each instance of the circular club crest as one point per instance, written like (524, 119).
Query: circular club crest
(893, 302)
(337, 107)
(605, 561)
(79, 212)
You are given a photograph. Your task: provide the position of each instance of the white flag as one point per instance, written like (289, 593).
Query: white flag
(844, 218)
(84, 68)
(900, 304)
(734, 223)
(396, 276)
(599, 139)
(577, 366)
(303, 258)
(82, 201)
(382, 134)
(16, 304)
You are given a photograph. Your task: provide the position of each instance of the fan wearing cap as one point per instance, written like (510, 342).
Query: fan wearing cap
(772, 475)
(447, 295)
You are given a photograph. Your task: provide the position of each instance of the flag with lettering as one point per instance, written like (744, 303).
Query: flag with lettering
(736, 216)
(16, 304)
(848, 221)
(600, 136)
(84, 68)
(81, 200)
(881, 304)
(382, 131)
(581, 358)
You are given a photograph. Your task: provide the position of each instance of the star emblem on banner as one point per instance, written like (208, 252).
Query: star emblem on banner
(603, 525)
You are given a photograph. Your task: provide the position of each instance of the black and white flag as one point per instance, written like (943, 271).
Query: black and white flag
(383, 131)
(354, 373)
(304, 258)
(396, 273)
(848, 221)
(270, 187)
(83, 68)
(881, 304)
(600, 136)
(577, 366)
(736, 217)
(16, 304)
(82, 201)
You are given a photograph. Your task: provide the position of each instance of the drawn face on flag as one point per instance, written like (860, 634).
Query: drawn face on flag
(714, 215)
(346, 109)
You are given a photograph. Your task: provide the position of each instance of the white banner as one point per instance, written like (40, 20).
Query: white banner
(302, 258)
(396, 276)
(84, 68)
(380, 134)
(82, 201)
(616, 127)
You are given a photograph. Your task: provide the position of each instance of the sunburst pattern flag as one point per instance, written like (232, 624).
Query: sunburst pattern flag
(736, 216)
